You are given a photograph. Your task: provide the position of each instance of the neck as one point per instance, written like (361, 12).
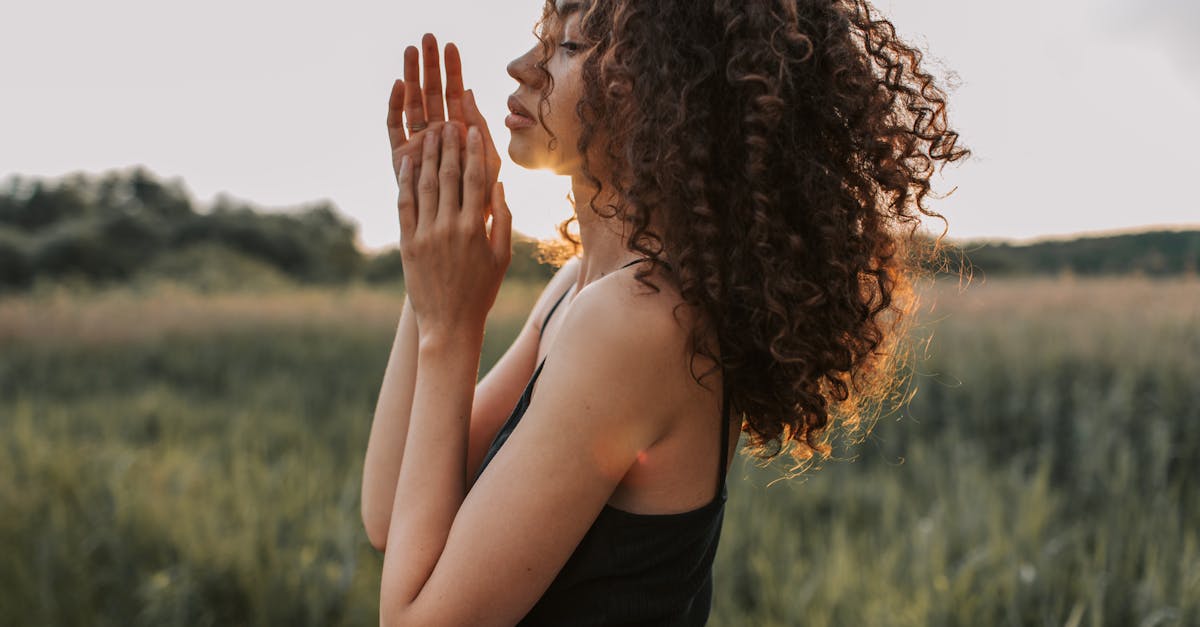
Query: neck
(603, 239)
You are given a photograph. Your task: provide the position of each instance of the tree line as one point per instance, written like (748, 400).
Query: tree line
(110, 227)
(1151, 253)
(113, 226)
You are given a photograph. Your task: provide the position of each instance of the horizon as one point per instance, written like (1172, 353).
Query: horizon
(203, 206)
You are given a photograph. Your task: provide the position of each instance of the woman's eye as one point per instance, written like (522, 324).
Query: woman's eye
(570, 47)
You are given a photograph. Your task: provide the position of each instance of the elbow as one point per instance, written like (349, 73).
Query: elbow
(392, 614)
(393, 611)
(377, 530)
(378, 540)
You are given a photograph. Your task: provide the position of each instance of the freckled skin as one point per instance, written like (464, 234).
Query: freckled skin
(530, 147)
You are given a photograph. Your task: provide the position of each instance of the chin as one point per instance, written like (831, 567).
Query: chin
(520, 155)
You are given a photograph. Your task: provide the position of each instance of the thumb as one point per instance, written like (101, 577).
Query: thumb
(471, 110)
(501, 223)
(475, 117)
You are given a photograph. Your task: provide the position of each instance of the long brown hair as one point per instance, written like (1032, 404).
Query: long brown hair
(788, 145)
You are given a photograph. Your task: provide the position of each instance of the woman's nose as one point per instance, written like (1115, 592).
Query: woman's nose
(522, 68)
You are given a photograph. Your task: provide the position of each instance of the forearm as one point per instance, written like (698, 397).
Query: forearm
(389, 429)
(431, 485)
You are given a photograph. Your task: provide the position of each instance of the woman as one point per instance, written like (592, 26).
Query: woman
(761, 157)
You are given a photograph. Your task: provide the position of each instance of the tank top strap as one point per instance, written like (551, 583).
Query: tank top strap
(564, 294)
(551, 312)
(645, 258)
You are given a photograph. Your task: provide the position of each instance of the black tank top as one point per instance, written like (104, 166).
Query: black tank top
(632, 569)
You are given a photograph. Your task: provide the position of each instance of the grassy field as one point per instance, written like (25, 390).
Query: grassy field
(173, 458)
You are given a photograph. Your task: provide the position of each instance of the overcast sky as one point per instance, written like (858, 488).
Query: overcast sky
(1083, 115)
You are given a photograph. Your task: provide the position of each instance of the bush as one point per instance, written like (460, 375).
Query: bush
(384, 267)
(103, 248)
(313, 245)
(211, 267)
(16, 271)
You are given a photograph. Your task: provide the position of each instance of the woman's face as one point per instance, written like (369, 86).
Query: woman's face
(530, 144)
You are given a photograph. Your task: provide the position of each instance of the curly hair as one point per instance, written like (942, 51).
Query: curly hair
(788, 145)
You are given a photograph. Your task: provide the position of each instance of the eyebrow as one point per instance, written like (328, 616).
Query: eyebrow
(567, 9)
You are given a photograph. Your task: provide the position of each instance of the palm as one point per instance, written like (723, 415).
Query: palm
(416, 104)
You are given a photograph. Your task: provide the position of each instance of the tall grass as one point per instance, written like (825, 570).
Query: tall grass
(169, 458)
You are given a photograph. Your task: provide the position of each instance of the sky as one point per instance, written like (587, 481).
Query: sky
(1082, 114)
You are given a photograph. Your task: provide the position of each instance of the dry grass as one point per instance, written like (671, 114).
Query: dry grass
(173, 458)
(124, 315)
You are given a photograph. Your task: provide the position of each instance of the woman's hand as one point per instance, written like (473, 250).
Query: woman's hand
(452, 267)
(409, 101)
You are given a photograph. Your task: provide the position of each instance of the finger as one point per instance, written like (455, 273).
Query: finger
(427, 184)
(474, 183)
(474, 117)
(406, 204)
(395, 115)
(501, 237)
(414, 106)
(433, 80)
(449, 175)
(454, 84)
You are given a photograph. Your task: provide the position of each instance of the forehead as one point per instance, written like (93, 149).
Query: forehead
(564, 9)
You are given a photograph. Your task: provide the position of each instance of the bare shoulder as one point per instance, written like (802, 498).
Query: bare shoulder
(635, 309)
(654, 312)
(641, 335)
(606, 363)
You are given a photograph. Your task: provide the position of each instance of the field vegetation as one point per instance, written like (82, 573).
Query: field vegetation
(179, 456)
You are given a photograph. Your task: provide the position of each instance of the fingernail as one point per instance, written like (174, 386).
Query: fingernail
(430, 138)
(405, 165)
(473, 135)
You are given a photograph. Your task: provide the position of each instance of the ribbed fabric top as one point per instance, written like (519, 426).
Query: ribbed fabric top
(632, 569)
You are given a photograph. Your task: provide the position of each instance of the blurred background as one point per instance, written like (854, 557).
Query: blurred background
(199, 288)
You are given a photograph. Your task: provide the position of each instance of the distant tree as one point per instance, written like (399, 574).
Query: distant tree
(16, 270)
(1155, 253)
(99, 248)
(384, 267)
(335, 238)
(313, 244)
(45, 205)
(167, 200)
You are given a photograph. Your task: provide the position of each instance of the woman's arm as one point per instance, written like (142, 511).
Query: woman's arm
(495, 397)
(423, 105)
(389, 429)
(546, 486)
(485, 556)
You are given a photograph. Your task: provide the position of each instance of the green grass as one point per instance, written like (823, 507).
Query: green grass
(168, 458)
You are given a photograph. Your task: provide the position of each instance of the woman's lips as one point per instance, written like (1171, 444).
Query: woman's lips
(519, 116)
(516, 121)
